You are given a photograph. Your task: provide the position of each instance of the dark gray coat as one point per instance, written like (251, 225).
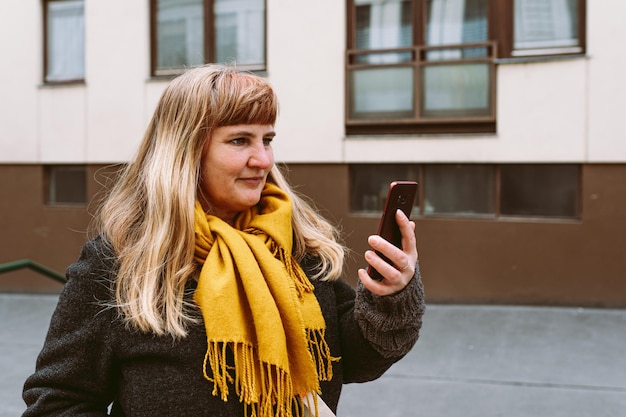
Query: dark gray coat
(92, 365)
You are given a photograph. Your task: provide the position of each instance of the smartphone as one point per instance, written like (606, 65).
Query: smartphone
(401, 195)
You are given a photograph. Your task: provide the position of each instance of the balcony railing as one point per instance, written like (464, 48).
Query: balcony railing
(422, 86)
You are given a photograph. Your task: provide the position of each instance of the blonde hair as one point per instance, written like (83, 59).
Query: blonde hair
(148, 217)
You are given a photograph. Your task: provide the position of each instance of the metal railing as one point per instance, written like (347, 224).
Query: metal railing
(37, 267)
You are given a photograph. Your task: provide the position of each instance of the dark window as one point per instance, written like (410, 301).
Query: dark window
(188, 33)
(369, 184)
(540, 190)
(66, 184)
(462, 189)
(64, 40)
(485, 190)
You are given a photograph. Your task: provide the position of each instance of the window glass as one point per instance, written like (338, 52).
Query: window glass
(464, 189)
(459, 89)
(180, 33)
(65, 40)
(542, 24)
(382, 93)
(540, 190)
(236, 34)
(369, 184)
(383, 24)
(488, 190)
(452, 22)
(67, 185)
(456, 90)
(240, 31)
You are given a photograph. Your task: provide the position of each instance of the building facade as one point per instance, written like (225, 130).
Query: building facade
(508, 113)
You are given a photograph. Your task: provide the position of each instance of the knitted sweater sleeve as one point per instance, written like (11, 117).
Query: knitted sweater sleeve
(391, 323)
(375, 332)
(74, 371)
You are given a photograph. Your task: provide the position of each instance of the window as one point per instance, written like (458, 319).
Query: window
(474, 190)
(64, 29)
(369, 185)
(193, 32)
(463, 189)
(66, 184)
(429, 66)
(540, 190)
(545, 27)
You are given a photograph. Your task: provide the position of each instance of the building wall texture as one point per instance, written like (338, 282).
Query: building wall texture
(555, 111)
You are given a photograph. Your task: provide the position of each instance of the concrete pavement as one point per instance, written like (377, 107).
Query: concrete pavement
(470, 361)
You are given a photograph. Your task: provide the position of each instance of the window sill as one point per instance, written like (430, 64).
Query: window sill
(66, 206)
(63, 84)
(499, 218)
(442, 128)
(537, 58)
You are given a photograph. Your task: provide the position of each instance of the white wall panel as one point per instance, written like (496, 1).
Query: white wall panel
(569, 110)
(62, 124)
(542, 111)
(117, 68)
(20, 75)
(306, 45)
(607, 82)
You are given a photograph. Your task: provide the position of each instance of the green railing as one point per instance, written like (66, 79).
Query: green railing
(27, 263)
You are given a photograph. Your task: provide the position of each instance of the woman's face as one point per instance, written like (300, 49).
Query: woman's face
(235, 163)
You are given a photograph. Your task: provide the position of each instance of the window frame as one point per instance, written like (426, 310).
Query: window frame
(419, 170)
(418, 51)
(46, 52)
(500, 27)
(51, 183)
(505, 28)
(209, 49)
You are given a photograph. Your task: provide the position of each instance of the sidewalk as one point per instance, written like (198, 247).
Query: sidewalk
(470, 361)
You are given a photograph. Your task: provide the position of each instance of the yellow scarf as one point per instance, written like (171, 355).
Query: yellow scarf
(256, 301)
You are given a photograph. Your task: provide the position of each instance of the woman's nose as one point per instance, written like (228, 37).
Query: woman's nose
(262, 157)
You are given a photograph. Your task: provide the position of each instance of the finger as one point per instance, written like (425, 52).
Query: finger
(407, 230)
(373, 286)
(400, 260)
(394, 255)
(386, 269)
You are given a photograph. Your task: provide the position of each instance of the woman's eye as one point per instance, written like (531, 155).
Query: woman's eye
(238, 141)
(267, 141)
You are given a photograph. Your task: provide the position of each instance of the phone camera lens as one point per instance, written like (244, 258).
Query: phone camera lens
(402, 199)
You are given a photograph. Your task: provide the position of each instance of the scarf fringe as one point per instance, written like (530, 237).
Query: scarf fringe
(264, 390)
(321, 354)
(301, 281)
(250, 378)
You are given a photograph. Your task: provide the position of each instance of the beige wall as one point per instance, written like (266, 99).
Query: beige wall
(565, 110)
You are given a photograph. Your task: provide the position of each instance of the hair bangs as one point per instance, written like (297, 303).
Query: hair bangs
(246, 99)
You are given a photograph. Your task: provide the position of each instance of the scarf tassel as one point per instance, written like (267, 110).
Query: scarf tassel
(274, 384)
(301, 281)
(321, 354)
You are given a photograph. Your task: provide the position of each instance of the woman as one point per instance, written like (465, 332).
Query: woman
(211, 288)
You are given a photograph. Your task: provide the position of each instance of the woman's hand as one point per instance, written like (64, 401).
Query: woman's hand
(398, 275)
